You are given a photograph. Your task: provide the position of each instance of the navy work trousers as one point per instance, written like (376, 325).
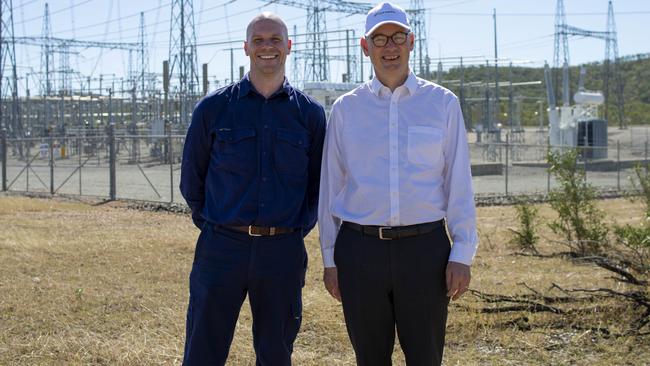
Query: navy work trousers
(389, 284)
(228, 266)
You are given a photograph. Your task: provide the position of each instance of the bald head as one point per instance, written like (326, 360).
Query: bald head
(266, 16)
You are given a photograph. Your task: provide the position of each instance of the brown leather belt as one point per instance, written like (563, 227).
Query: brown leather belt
(259, 230)
(395, 232)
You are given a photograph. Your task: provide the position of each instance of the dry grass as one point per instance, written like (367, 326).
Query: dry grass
(83, 284)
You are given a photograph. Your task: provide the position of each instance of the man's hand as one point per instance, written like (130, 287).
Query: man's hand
(331, 280)
(458, 277)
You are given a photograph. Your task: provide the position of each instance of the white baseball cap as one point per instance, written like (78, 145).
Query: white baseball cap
(385, 13)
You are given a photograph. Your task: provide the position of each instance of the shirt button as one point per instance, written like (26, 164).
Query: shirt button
(264, 179)
(266, 126)
(263, 153)
(261, 205)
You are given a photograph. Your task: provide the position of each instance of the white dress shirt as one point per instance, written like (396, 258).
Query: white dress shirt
(394, 159)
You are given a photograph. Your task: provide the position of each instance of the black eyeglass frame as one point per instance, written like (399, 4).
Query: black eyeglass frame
(391, 37)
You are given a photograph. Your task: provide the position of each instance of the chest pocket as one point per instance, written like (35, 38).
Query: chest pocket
(291, 148)
(424, 145)
(236, 149)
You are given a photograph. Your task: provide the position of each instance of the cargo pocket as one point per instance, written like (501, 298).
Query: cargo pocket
(294, 320)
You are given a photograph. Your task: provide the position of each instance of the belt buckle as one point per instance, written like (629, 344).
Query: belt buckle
(381, 233)
(250, 232)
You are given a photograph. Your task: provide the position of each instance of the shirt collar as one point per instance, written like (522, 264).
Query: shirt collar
(411, 84)
(245, 87)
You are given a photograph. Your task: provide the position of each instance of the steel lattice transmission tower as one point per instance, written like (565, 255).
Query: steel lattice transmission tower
(183, 63)
(420, 56)
(142, 59)
(316, 65)
(561, 51)
(8, 60)
(47, 53)
(611, 56)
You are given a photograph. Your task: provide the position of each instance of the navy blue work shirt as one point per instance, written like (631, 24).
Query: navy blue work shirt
(249, 160)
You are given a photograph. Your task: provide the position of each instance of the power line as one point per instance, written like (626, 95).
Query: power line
(55, 12)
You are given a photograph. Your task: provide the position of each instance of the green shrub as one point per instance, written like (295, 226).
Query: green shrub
(579, 221)
(525, 237)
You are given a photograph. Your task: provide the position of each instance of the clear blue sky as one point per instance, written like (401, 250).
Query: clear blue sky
(455, 28)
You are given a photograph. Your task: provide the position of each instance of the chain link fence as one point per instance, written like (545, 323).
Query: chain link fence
(146, 167)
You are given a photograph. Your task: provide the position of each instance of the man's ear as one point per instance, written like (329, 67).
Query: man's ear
(246, 48)
(411, 41)
(289, 46)
(364, 46)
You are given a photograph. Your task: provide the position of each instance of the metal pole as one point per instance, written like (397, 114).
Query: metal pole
(135, 143)
(3, 152)
(618, 165)
(232, 66)
(28, 161)
(496, 71)
(171, 164)
(51, 159)
(361, 65)
(507, 148)
(584, 157)
(548, 169)
(111, 136)
(347, 57)
(80, 152)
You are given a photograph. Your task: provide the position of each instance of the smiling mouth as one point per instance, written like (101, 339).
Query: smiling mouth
(390, 57)
(268, 57)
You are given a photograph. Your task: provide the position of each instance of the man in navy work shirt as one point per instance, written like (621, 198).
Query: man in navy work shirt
(250, 174)
(396, 174)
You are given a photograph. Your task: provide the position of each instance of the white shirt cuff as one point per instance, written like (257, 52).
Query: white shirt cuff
(462, 253)
(328, 257)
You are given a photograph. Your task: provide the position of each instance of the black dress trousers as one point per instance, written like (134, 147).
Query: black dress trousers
(394, 284)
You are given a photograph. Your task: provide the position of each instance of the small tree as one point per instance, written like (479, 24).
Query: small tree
(579, 221)
(525, 237)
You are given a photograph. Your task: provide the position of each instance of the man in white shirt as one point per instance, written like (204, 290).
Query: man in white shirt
(395, 172)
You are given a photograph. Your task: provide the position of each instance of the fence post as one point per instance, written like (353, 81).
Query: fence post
(584, 158)
(3, 152)
(507, 148)
(28, 163)
(51, 143)
(111, 160)
(618, 165)
(646, 157)
(80, 152)
(548, 168)
(170, 150)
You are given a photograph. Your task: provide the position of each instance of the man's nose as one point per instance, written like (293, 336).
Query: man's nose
(390, 43)
(266, 43)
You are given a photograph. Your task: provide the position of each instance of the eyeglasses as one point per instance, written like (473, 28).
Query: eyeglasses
(398, 38)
